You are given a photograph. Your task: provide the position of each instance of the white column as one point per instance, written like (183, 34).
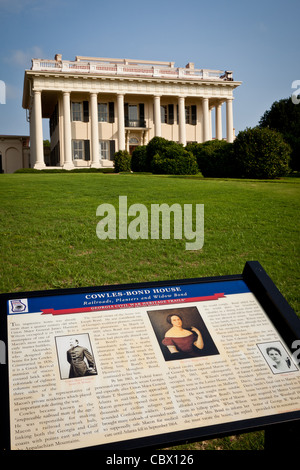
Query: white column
(68, 163)
(219, 121)
(121, 124)
(181, 110)
(229, 120)
(206, 126)
(210, 124)
(157, 116)
(38, 131)
(95, 163)
(32, 136)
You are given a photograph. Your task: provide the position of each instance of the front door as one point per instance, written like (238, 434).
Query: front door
(132, 148)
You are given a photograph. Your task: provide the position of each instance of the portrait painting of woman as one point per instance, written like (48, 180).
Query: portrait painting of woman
(182, 333)
(180, 340)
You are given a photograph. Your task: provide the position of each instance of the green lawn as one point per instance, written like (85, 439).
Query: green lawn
(48, 231)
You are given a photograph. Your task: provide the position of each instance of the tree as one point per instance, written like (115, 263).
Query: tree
(261, 153)
(284, 117)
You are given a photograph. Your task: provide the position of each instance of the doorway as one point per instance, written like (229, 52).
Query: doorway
(133, 144)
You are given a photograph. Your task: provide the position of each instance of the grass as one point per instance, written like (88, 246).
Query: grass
(48, 233)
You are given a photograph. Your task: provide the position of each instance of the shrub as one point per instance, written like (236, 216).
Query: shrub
(163, 147)
(139, 159)
(162, 156)
(178, 162)
(261, 153)
(214, 158)
(122, 161)
(157, 145)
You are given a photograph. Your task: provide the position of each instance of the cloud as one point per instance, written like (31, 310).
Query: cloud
(22, 58)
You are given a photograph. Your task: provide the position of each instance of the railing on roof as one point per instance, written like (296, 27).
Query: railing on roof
(129, 70)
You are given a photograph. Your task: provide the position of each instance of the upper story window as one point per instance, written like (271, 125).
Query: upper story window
(76, 111)
(80, 111)
(102, 112)
(106, 112)
(134, 115)
(167, 114)
(164, 114)
(191, 115)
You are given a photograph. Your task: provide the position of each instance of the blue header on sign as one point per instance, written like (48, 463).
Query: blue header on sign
(125, 298)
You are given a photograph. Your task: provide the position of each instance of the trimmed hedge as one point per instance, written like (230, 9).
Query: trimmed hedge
(139, 159)
(214, 158)
(122, 161)
(179, 164)
(162, 156)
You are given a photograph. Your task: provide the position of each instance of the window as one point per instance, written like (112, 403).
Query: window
(191, 115)
(187, 114)
(102, 112)
(80, 111)
(164, 114)
(134, 115)
(77, 111)
(134, 141)
(167, 114)
(81, 150)
(78, 149)
(104, 149)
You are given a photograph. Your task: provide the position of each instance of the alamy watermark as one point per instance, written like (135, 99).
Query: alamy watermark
(296, 93)
(137, 222)
(2, 92)
(2, 352)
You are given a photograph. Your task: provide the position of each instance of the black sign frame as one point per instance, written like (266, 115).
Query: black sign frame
(267, 294)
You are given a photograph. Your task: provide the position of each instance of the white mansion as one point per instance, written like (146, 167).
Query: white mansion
(98, 106)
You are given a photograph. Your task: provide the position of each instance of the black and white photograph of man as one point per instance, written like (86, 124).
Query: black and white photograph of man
(75, 356)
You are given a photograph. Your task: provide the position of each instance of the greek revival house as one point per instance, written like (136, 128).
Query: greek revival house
(98, 106)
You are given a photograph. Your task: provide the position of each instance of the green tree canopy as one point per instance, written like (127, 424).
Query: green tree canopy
(284, 117)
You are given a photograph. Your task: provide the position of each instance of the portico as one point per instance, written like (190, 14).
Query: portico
(99, 106)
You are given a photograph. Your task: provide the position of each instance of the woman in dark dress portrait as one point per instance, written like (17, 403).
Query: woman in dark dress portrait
(179, 340)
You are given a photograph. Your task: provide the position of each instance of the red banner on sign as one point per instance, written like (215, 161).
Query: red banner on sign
(130, 305)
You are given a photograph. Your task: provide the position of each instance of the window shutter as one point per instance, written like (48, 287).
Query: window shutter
(171, 113)
(194, 114)
(85, 111)
(87, 150)
(126, 114)
(111, 112)
(142, 114)
(112, 149)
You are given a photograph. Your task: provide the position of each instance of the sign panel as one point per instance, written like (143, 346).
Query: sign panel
(128, 366)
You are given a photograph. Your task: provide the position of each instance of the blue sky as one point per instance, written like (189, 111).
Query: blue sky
(258, 40)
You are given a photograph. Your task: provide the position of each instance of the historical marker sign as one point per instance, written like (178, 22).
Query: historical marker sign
(136, 365)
